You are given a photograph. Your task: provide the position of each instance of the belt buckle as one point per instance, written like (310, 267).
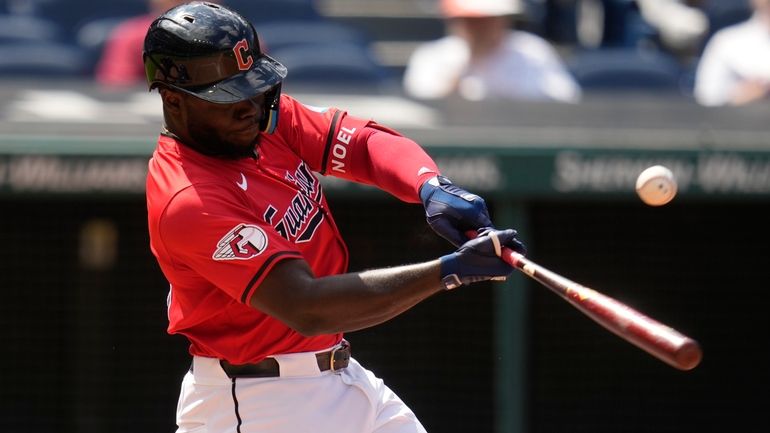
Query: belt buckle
(344, 345)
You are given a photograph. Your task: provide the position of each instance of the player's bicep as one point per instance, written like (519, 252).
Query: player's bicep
(321, 136)
(280, 292)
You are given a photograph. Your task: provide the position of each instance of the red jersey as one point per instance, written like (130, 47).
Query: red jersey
(217, 226)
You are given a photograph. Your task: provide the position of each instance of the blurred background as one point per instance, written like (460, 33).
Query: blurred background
(582, 97)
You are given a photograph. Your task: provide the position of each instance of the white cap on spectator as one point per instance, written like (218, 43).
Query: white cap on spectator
(480, 8)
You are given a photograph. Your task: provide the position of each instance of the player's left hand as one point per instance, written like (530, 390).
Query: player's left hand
(451, 211)
(480, 259)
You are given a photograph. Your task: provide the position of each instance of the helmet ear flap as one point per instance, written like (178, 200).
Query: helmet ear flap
(270, 110)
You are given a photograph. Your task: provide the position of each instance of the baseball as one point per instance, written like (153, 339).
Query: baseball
(656, 185)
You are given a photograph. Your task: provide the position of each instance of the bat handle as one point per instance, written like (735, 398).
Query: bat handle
(510, 256)
(513, 258)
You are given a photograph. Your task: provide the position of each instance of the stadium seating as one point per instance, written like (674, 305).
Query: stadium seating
(277, 35)
(259, 11)
(43, 59)
(625, 69)
(339, 64)
(93, 35)
(72, 14)
(19, 29)
(319, 47)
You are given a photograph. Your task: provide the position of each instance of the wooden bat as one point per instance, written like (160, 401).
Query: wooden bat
(660, 341)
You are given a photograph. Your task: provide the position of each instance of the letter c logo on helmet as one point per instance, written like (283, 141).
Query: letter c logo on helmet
(239, 49)
(213, 53)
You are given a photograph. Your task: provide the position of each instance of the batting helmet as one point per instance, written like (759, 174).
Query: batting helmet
(213, 53)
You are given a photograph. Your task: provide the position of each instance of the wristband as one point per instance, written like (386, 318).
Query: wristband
(449, 270)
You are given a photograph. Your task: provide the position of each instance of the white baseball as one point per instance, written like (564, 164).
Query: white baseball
(656, 185)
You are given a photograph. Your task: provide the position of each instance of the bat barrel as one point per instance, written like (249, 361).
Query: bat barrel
(659, 340)
(689, 355)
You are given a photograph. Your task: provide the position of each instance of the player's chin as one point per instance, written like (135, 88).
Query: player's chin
(245, 136)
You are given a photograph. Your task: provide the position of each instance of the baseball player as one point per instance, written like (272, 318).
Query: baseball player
(242, 231)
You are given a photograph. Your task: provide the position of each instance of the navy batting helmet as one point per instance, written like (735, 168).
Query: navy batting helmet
(213, 53)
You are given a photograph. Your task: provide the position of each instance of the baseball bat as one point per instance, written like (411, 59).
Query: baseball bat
(660, 341)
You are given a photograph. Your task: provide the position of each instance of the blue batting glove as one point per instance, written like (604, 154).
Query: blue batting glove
(451, 210)
(479, 259)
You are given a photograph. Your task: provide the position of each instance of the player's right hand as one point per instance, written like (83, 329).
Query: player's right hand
(451, 210)
(479, 259)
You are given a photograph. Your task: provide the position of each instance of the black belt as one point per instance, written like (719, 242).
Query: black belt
(335, 360)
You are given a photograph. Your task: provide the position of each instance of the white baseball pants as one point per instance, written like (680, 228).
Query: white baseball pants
(303, 399)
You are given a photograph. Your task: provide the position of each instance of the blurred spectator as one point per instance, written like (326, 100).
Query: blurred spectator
(121, 61)
(676, 26)
(483, 58)
(735, 66)
(681, 26)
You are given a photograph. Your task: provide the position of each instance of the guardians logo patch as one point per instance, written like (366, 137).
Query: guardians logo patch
(241, 243)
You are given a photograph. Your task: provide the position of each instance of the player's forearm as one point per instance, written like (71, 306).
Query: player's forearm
(354, 301)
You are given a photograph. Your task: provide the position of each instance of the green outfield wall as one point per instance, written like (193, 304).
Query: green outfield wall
(512, 172)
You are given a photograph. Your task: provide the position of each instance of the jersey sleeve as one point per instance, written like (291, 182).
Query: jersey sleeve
(334, 143)
(209, 231)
